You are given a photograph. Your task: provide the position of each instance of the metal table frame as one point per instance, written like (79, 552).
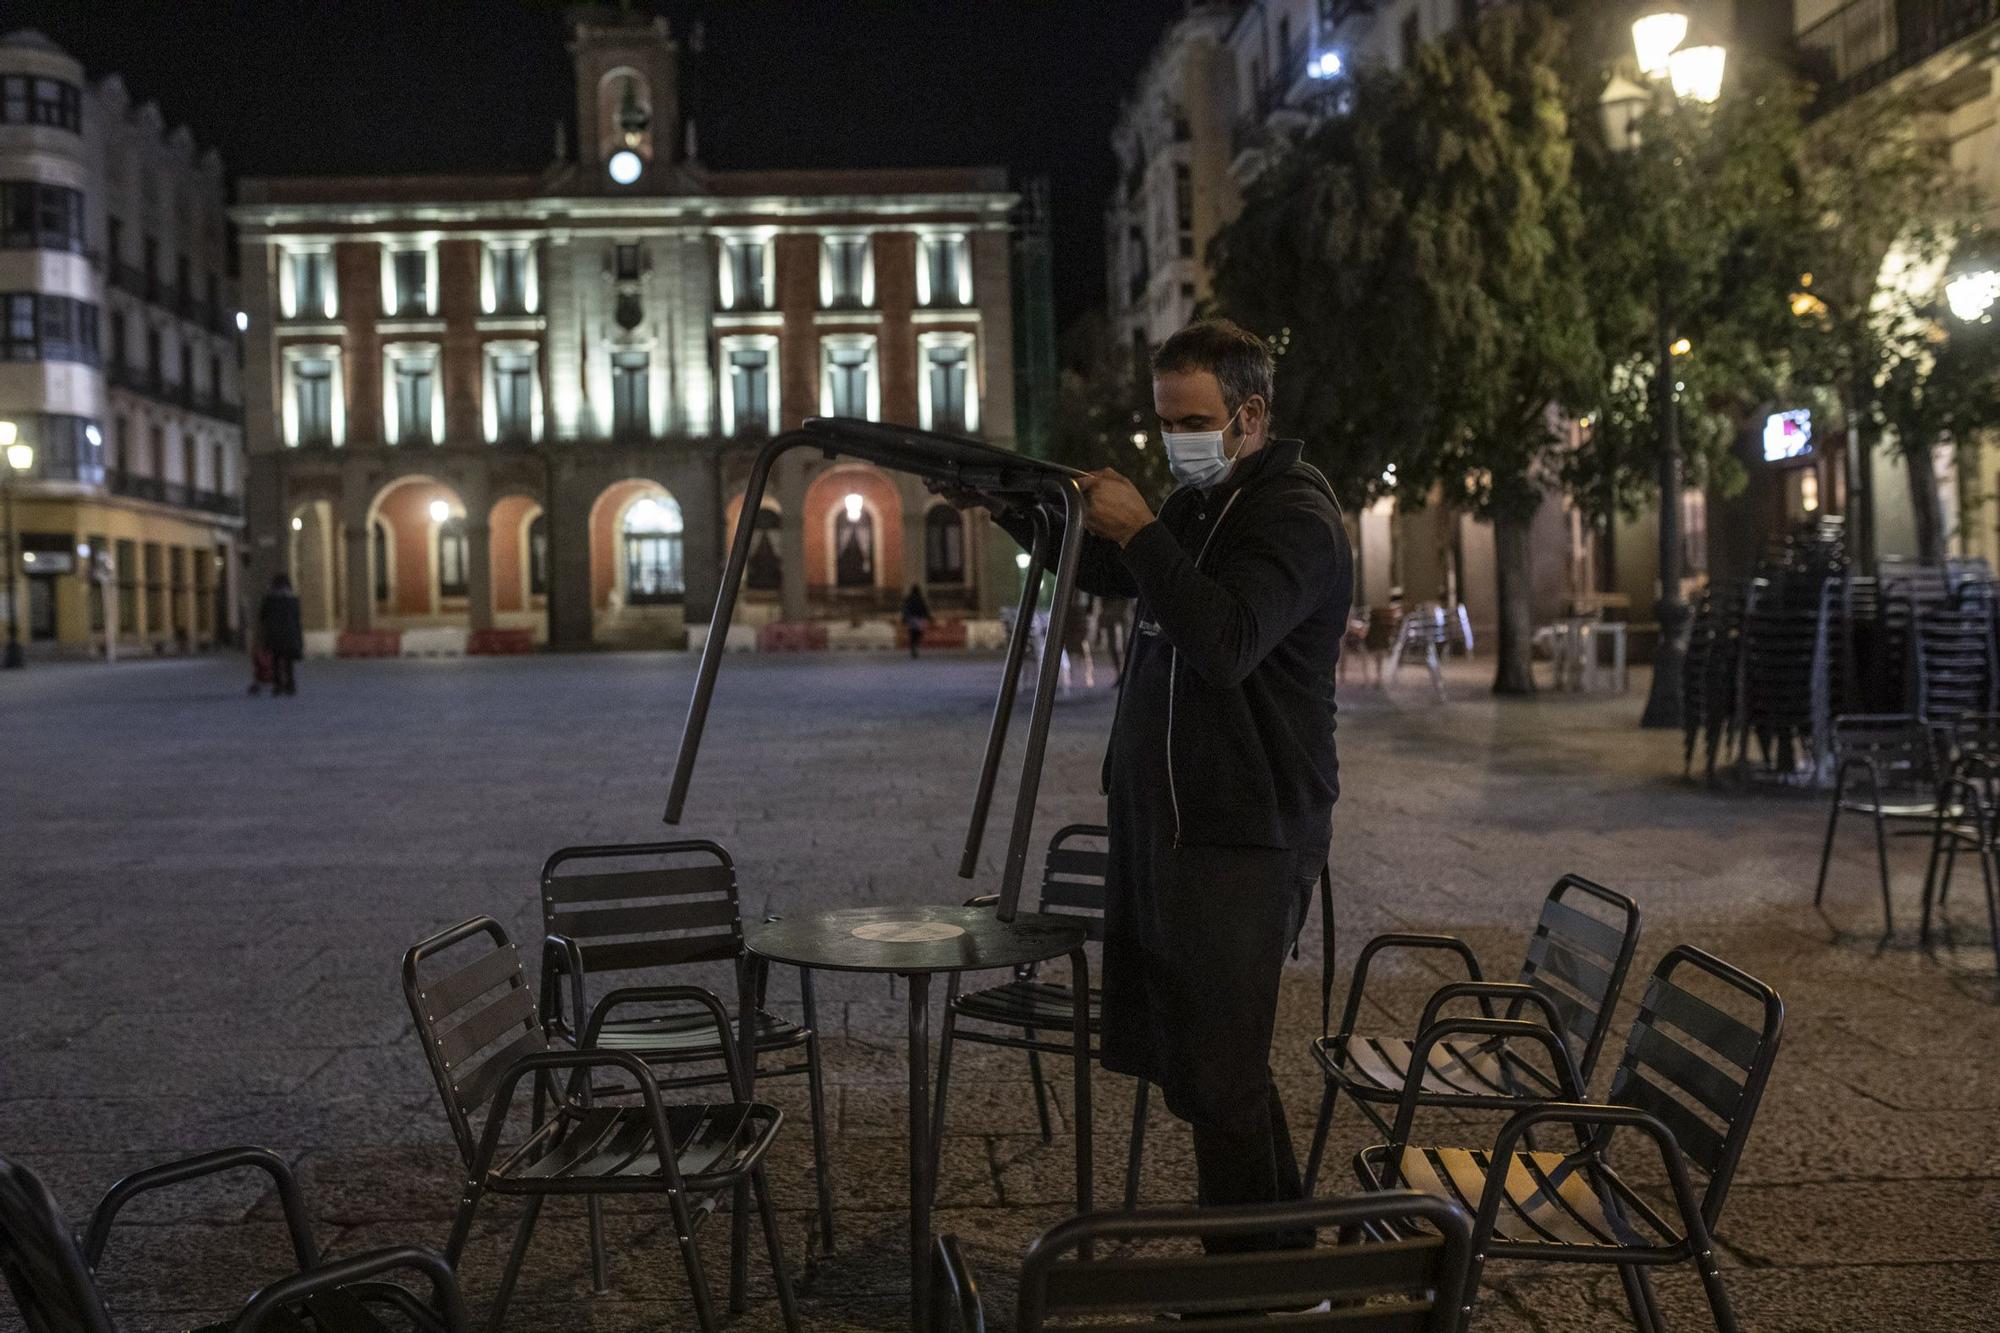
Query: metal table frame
(973, 466)
(1047, 491)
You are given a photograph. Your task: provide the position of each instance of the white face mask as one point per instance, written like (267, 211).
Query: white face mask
(1196, 457)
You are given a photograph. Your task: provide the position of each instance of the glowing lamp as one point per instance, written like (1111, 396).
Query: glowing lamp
(1971, 295)
(1681, 347)
(298, 524)
(1697, 72)
(625, 166)
(20, 457)
(94, 435)
(1326, 65)
(1021, 562)
(1655, 36)
(440, 511)
(853, 506)
(242, 321)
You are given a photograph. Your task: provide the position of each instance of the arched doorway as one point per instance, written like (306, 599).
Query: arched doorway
(419, 555)
(854, 540)
(764, 575)
(638, 568)
(853, 543)
(310, 561)
(519, 533)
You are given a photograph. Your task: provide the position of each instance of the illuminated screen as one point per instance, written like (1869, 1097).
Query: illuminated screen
(1787, 435)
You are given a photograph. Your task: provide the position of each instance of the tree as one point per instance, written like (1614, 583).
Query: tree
(1421, 253)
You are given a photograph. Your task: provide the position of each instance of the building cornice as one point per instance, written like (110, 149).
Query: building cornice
(692, 213)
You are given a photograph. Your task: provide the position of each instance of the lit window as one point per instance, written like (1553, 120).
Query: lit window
(412, 400)
(944, 545)
(513, 379)
(653, 547)
(847, 273)
(452, 561)
(312, 380)
(944, 271)
(848, 388)
(312, 287)
(410, 273)
(750, 395)
(630, 414)
(746, 275)
(511, 281)
(947, 395)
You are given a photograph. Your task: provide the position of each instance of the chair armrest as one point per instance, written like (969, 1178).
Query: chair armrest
(983, 900)
(1586, 1116)
(268, 1307)
(562, 956)
(725, 1035)
(580, 1063)
(194, 1168)
(1519, 992)
(953, 1277)
(1560, 1059)
(1382, 943)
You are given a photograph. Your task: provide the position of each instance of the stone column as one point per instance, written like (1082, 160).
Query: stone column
(569, 606)
(360, 609)
(790, 482)
(478, 572)
(916, 503)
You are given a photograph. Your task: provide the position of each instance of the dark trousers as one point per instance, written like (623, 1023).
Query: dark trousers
(916, 640)
(281, 674)
(1191, 966)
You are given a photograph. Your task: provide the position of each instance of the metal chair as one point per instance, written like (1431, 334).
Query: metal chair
(1690, 1082)
(1570, 978)
(476, 1017)
(657, 905)
(54, 1279)
(1899, 756)
(1413, 1283)
(1423, 629)
(1966, 820)
(1022, 1009)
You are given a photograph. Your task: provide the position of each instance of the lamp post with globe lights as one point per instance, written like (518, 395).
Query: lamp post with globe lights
(1672, 74)
(19, 458)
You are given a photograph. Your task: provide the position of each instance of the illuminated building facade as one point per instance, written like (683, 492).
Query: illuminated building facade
(523, 407)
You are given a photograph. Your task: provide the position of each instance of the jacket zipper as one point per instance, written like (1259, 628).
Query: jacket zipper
(1174, 669)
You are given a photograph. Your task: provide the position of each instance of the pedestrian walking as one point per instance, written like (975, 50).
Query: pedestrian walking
(281, 634)
(1221, 771)
(916, 618)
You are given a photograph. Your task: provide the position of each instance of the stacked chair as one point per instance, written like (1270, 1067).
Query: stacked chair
(1967, 819)
(54, 1279)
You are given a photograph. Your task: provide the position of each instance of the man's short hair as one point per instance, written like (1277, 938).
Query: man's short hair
(1239, 359)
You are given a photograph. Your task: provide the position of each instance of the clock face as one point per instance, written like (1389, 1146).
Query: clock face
(625, 166)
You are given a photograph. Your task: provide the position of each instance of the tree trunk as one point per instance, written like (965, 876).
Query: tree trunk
(1514, 567)
(1861, 472)
(1925, 503)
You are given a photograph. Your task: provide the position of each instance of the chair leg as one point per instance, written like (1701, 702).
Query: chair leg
(1826, 850)
(816, 1090)
(1711, 1282)
(461, 1225)
(704, 1304)
(780, 1276)
(1987, 855)
(1137, 1154)
(1639, 1296)
(1930, 881)
(1318, 1151)
(600, 1284)
(515, 1257)
(1041, 1092)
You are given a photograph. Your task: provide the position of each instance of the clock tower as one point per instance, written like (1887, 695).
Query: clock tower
(627, 107)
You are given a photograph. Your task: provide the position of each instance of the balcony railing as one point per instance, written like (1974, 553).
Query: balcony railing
(174, 493)
(155, 386)
(1866, 42)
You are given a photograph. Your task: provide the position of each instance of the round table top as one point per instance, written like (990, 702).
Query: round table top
(912, 939)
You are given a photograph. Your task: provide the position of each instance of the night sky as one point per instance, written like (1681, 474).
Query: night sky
(338, 86)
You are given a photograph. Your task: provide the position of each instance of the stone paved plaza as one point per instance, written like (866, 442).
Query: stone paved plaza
(208, 896)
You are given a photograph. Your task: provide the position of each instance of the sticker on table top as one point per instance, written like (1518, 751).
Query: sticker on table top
(907, 932)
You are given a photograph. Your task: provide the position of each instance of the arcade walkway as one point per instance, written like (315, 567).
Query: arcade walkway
(208, 896)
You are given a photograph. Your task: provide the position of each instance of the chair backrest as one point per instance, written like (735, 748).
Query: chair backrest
(1902, 748)
(644, 904)
(1413, 1284)
(42, 1261)
(1578, 956)
(1073, 875)
(475, 1015)
(1698, 1058)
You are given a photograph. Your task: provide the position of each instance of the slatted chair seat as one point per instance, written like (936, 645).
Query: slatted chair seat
(1456, 1068)
(1551, 1199)
(1692, 1076)
(1028, 1003)
(1572, 971)
(644, 910)
(483, 1036)
(691, 1037)
(712, 1144)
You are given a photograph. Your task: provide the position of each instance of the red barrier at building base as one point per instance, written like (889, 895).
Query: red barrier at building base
(494, 642)
(783, 637)
(368, 643)
(940, 634)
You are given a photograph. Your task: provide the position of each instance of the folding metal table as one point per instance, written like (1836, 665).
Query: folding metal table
(917, 942)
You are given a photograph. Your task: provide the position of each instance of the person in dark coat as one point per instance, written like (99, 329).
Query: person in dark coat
(916, 618)
(281, 633)
(1221, 772)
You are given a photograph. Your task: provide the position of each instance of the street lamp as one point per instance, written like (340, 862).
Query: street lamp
(1671, 73)
(20, 457)
(1971, 294)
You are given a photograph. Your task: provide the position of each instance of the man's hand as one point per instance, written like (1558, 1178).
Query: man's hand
(1113, 507)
